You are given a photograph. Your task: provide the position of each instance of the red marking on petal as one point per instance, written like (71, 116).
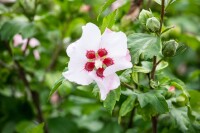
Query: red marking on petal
(99, 72)
(108, 61)
(89, 66)
(90, 54)
(102, 52)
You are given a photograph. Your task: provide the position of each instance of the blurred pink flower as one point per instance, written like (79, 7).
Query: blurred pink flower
(171, 89)
(117, 4)
(18, 40)
(85, 8)
(54, 98)
(96, 57)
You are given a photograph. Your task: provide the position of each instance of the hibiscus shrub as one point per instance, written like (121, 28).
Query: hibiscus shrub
(124, 71)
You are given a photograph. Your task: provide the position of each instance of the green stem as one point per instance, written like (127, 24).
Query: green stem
(154, 119)
(162, 15)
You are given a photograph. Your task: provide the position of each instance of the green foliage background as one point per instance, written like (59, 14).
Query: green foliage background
(56, 24)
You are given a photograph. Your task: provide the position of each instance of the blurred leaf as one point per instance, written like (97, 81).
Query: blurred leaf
(143, 43)
(10, 28)
(195, 100)
(167, 29)
(109, 21)
(111, 127)
(106, 5)
(56, 85)
(112, 97)
(9, 127)
(36, 129)
(127, 105)
(61, 125)
(28, 30)
(194, 74)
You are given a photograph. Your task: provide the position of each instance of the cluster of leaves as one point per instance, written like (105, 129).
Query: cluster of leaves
(56, 24)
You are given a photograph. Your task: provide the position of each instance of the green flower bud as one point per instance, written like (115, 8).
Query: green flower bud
(153, 24)
(181, 101)
(144, 15)
(169, 48)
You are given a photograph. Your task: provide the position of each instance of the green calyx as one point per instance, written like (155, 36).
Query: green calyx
(144, 15)
(169, 48)
(153, 24)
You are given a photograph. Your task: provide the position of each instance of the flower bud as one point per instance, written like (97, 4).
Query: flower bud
(170, 93)
(181, 101)
(144, 15)
(153, 24)
(169, 48)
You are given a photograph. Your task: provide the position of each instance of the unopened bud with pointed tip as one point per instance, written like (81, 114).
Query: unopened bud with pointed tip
(153, 24)
(169, 48)
(144, 15)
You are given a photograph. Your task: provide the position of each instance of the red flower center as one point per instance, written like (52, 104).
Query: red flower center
(98, 61)
(99, 72)
(102, 52)
(90, 54)
(108, 61)
(89, 66)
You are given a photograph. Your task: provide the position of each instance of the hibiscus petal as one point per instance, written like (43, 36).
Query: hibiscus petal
(120, 63)
(114, 42)
(106, 84)
(36, 54)
(71, 49)
(34, 42)
(17, 40)
(79, 77)
(91, 37)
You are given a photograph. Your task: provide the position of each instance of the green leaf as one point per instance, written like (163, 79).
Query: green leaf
(28, 30)
(147, 44)
(111, 99)
(181, 117)
(109, 20)
(125, 76)
(37, 129)
(127, 105)
(145, 68)
(29, 127)
(106, 4)
(167, 2)
(62, 125)
(56, 85)
(141, 69)
(161, 65)
(195, 100)
(167, 29)
(10, 28)
(135, 77)
(156, 101)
